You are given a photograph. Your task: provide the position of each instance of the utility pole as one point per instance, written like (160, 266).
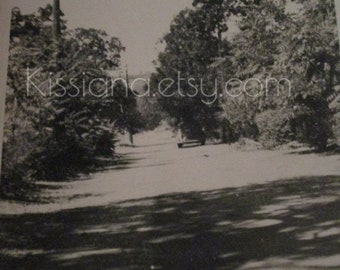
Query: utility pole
(129, 128)
(56, 19)
(127, 76)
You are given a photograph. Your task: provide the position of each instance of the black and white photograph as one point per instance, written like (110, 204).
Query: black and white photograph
(170, 134)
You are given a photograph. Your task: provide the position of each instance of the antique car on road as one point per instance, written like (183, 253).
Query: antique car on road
(190, 135)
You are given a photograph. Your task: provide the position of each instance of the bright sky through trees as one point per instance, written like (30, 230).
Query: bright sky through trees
(138, 24)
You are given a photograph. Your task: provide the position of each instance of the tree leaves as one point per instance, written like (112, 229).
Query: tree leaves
(270, 43)
(64, 130)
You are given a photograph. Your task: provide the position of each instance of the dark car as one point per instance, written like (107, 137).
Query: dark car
(190, 135)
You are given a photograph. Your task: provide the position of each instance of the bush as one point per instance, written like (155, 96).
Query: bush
(273, 127)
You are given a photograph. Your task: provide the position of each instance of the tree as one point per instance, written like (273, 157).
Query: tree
(63, 127)
(257, 55)
(190, 48)
(314, 52)
(299, 51)
(303, 49)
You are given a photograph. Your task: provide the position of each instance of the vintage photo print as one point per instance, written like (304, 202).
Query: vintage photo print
(170, 134)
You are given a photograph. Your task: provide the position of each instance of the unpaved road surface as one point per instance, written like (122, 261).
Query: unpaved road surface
(206, 207)
(156, 166)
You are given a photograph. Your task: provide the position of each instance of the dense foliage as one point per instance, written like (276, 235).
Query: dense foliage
(301, 49)
(66, 118)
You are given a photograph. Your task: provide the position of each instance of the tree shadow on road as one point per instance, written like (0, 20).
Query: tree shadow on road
(291, 224)
(333, 150)
(124, 161)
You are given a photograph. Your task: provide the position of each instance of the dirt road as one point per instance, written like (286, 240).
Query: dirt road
(220, 209)
(156, 166)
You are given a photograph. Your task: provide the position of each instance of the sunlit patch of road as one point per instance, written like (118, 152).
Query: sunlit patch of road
(156, 166)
